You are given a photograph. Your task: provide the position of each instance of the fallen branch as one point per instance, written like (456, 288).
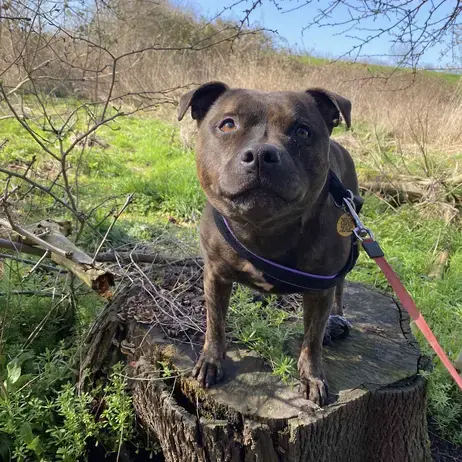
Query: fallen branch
(407, 188)
(76, 261)
(68, 256)
(32, 238)
(20, 247)
(154, 258)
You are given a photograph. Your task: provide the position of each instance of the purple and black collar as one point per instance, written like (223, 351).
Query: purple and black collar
(290, 280)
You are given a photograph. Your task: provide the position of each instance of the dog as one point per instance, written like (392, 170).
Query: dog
(271, 175)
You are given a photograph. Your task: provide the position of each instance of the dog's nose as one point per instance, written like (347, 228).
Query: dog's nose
(248, 158)
(263, 155)
(269, 155)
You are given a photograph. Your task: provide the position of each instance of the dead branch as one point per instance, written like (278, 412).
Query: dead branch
(153, 258)
(413, 189)
(75, 260)
(20, 247)
(116, 217)
(33, 293)
(31, 238)
(69, 256)
(14, 246)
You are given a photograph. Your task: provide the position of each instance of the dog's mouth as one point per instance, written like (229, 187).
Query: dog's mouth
(259, 193)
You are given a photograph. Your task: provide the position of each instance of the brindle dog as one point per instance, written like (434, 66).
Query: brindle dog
(263, 160)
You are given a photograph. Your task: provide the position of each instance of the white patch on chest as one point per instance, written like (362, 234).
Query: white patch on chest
(256, 276)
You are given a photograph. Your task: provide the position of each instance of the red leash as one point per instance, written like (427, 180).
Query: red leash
(408, 303)
(373, 250)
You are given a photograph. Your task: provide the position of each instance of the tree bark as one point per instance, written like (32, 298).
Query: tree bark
(377, 409)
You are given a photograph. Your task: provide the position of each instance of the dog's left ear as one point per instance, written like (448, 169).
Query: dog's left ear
(331, 105)
(200, 100)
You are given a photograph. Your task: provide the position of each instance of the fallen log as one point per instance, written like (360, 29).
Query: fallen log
(377, 409)
(407, 188)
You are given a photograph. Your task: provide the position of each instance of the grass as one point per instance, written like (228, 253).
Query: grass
(377, 69)
(146, 156)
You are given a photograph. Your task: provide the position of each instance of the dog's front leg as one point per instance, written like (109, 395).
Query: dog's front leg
(316, 309)
(209, 368)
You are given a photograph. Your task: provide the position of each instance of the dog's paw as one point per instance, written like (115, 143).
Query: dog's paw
(208, 370)
(315, 389)
(337, 328)
(313, 384)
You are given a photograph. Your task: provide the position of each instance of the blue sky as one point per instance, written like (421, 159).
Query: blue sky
(316, 40)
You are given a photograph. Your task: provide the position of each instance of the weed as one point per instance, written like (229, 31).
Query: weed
(263, 328)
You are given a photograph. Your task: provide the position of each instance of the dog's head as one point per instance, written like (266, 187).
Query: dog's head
(262, 157)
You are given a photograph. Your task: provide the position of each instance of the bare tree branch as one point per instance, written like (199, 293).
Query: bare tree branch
(116, 217)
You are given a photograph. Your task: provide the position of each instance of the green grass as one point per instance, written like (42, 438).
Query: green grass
(411, 244)
(377, 69)
(145, 156)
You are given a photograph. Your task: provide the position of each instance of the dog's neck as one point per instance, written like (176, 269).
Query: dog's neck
(279, 238)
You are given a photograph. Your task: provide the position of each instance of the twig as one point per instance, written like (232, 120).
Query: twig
(39, 262)
(30, 262)
(42, 188)
(20, 247)
(25, 125)
(7, 193)
(15, 18)
(116, 217)
(31, 292)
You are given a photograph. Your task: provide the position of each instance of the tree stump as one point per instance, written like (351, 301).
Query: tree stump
(377, 409)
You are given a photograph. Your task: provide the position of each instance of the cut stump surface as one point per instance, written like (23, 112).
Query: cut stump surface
(377, 409)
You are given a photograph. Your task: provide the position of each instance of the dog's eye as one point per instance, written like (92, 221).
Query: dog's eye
(228, 126)
(303, 131)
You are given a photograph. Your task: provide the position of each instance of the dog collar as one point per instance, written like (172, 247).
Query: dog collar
(290, 280)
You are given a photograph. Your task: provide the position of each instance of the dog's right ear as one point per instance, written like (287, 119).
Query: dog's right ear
(201, 99)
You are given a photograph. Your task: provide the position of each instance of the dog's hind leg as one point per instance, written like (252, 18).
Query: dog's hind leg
(338, 326)
(337, 308)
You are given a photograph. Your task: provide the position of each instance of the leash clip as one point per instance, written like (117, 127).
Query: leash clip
(361, 232)
(352, 196)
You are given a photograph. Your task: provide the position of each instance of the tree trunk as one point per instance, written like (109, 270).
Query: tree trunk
(377, 409)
